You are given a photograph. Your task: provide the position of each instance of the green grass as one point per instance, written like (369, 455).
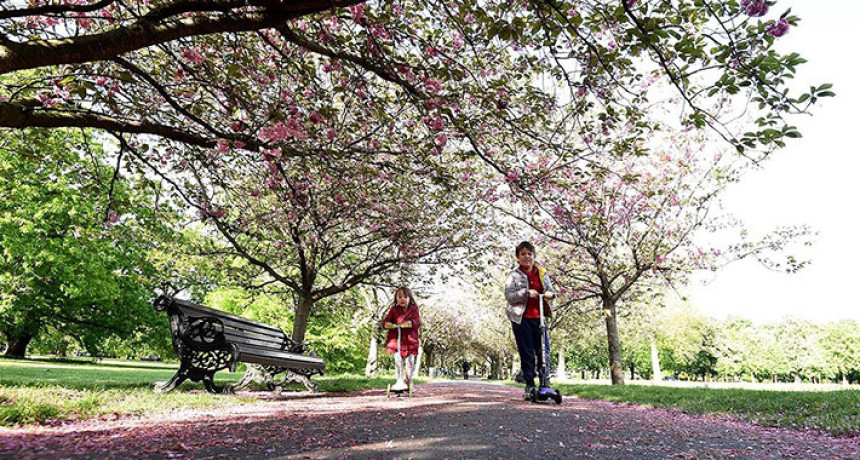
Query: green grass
(38, 391)
(833, 412)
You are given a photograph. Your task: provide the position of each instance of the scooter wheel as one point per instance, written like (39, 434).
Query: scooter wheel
(557, 397)
(533, 396)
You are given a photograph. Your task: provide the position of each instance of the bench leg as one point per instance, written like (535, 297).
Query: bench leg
(208, 379)
(253, 373)
(293, 377)
(180, 376)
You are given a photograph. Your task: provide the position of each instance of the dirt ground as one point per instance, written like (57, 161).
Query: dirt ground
(452, 419)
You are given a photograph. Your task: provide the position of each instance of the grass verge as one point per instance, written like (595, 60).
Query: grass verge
(833, 412)
(43, 391)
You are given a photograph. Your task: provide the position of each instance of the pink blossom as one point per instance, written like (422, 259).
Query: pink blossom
(193, 56)
(441, 140)
(457, 41)
(315, 117)
(292, 128)
(755, 8)
(357, 12)
(223, 146)
(436, 124)
(432, 86)
(779, 28)
(381, 32)
(330, 134)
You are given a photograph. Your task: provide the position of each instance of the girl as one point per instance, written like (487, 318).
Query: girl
(403, 313)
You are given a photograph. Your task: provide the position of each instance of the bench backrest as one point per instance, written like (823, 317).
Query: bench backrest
(237, 329)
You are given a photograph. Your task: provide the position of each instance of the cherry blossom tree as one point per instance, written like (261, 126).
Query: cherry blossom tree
(613, 239)
(332, 142)
(227, 72)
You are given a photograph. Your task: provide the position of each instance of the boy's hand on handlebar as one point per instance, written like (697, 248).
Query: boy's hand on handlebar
(548, 295)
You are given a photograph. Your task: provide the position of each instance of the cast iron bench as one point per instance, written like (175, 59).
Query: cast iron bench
(207, 341)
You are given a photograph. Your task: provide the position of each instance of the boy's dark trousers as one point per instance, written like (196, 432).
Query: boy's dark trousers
(527, 335)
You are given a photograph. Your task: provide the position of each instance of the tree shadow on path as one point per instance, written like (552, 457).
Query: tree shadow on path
(450, 419)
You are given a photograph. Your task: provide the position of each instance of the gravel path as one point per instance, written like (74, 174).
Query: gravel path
(452, 419)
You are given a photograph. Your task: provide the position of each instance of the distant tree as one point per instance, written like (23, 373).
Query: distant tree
(734, 347)
(74, 235)
(841, 345)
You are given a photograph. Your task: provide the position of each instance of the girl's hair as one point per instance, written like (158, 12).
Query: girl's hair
(408, 293)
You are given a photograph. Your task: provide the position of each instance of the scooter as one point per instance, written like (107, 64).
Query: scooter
(400, 387)
(544, 392)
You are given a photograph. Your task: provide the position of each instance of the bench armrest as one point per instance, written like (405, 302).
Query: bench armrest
(203, 333)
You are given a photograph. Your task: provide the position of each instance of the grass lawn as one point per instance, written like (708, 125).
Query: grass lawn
(834, 412)
(38, 391)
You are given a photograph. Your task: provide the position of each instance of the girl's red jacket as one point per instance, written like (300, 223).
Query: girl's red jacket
(408, 337)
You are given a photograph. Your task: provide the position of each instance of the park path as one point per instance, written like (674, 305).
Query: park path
(452, 419)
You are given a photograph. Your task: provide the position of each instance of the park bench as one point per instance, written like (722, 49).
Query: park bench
(207, 341)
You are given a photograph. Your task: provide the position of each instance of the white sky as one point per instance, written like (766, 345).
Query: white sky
(813, 181)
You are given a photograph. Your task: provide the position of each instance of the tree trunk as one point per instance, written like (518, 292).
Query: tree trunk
(417, 369)
(561, 371)
(496, 366)
(18, 345)
(63, 347)
(616, 369)
(655, 361)
(372, 364)
(428, 358)
(303, 313)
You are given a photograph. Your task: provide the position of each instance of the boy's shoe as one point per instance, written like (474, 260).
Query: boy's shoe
(527, 394)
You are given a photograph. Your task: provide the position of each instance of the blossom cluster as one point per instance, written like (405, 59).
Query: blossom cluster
(779, 28)
(755, 8)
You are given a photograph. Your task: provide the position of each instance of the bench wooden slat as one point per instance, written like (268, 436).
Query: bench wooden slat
(246, 339)
(252, 354)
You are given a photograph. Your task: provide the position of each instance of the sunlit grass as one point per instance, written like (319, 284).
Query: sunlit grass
(834, 412)
(38, 391)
